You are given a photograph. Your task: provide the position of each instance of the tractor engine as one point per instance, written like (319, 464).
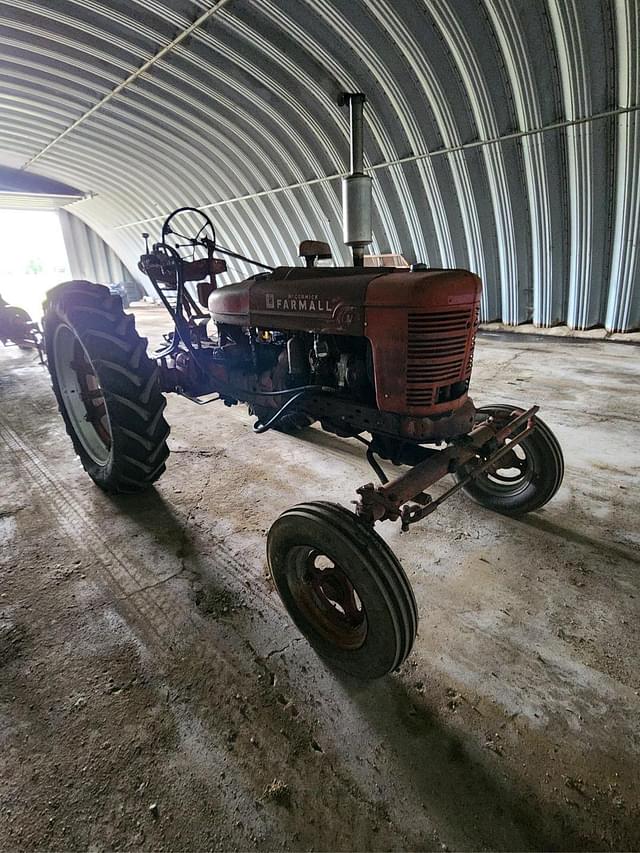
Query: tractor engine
(276, 360)
(397, 341)
(289, 361)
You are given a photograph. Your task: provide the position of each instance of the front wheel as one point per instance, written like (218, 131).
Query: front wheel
(523, 480)
(343, 587)
(106, 386)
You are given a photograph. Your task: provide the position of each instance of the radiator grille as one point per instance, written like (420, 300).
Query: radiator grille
(438, 352)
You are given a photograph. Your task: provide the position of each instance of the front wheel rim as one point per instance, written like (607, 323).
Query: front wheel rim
(82, 394)
(325, 595)
(512, 474)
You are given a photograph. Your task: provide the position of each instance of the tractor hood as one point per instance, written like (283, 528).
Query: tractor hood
(326, 300)
(334, 300)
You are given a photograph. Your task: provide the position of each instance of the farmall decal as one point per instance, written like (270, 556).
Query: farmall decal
(300, 302)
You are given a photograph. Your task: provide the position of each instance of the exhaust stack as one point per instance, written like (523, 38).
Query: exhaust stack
(356, 187)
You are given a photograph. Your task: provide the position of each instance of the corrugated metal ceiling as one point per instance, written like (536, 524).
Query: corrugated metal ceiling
(502, 134)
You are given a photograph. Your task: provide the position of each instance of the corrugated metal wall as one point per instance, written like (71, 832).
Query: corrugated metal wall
(89, 256)
(502, 134)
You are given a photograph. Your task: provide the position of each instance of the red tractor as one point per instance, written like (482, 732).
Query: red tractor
(376, 354)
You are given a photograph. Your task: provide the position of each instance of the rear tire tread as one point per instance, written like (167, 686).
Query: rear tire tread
(128, 378)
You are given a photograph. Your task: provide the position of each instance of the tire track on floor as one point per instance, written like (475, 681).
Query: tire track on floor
(153, 611)
(231, 667)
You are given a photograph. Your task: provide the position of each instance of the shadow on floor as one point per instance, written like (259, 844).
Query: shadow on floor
(481, 809)
(475, 805)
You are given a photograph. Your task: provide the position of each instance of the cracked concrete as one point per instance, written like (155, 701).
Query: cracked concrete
(284, 648)
(145, 658)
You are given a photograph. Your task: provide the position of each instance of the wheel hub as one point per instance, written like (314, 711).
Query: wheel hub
(82, 394)
(323, 591)
(513, 469)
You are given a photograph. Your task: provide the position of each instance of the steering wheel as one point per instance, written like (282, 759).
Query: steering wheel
(205, 236)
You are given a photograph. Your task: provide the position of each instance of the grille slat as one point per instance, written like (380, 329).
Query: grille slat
(438, 330)
(424, 350)
(423, 367)
(437, 354)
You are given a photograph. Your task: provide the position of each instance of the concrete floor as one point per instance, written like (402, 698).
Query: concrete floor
(153, 693)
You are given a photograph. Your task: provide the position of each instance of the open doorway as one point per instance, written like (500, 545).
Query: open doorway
(33, 257)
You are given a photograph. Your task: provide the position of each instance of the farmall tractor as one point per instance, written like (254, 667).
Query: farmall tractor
(375, 354)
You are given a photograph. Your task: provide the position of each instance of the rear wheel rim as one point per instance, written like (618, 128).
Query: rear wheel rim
(82, 394)
(328, 600)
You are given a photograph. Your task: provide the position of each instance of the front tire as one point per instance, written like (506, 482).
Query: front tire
(106, 387)
(526, 480)
(343, 587)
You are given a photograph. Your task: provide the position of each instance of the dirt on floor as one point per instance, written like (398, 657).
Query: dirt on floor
(155, 695)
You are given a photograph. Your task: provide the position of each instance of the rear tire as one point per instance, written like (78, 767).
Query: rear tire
(106, 386)
(343, 587)
(529, 480)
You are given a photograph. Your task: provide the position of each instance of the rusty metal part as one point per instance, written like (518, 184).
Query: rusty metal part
(354, 417)
(391, 501)
(328, 599)
(411, 514)
(92, 396)
(321, 299)
(422, 327)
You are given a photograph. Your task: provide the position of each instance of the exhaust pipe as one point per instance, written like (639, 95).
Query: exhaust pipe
(356, 187)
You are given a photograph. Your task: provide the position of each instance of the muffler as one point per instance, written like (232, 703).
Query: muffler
(356, 187)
